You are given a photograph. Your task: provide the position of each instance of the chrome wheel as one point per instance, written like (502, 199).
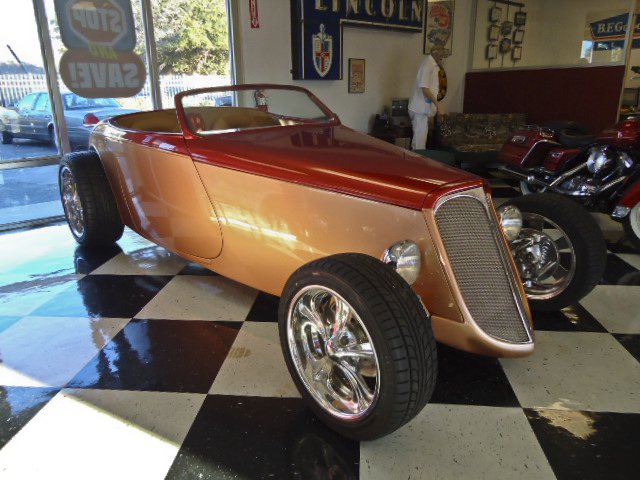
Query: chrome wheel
(332, 352)
(71, 202)
(634, 221)
(545, 257)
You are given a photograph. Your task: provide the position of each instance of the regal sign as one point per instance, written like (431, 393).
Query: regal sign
(316, 30)
(609, 33)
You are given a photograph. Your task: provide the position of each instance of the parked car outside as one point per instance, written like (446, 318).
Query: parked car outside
(32, 118)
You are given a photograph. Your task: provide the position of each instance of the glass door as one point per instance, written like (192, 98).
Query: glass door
(29, 150)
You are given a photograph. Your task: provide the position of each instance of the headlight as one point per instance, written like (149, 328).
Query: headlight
(404, 257)
(511, 221)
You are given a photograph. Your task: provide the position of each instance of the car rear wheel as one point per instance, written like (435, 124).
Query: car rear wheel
(560, 251)
(7, 138)
(631, 226)
(358, 344)
(88, 201)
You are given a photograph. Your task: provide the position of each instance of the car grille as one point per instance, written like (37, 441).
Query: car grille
(483, 274)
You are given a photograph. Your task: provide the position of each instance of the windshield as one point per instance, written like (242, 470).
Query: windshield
(75, 102)
(249, 107)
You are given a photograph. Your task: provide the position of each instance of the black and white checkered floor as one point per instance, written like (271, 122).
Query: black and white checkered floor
(131, 363)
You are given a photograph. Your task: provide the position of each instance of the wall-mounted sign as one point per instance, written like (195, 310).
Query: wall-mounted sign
(100, 37)
(439, 27)
(608, 30)
(316, 30)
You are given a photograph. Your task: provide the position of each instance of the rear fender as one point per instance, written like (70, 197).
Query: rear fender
(632, 196)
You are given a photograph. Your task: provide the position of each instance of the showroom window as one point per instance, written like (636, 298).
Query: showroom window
(44, 110)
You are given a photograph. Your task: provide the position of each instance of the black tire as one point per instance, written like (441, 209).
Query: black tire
(7, 138)
(398, 327)
(631, 224)
(585, 236)
(101, 222)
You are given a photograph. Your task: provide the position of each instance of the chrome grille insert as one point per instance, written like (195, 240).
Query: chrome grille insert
(484, 275)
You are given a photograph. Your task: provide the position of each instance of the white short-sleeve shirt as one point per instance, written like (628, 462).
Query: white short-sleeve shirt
(427, 77)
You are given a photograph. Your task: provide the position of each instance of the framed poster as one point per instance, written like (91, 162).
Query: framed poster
(438, 27)
(516, 53)
(356, 75)
(494, 32)
(492, 51)
(520, 18)
(495, 14)
(518, 36)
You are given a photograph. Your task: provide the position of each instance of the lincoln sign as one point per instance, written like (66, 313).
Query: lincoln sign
(100, 36)
(316, 30)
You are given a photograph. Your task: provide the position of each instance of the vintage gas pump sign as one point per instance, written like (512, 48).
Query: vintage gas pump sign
(316, 30)
(100, 37)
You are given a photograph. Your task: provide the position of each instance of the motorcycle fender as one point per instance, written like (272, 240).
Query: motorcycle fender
(631, 197)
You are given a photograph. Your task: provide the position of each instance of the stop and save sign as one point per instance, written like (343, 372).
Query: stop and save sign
(100, 37)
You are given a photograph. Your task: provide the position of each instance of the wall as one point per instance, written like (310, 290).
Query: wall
(553, 33)
(392, 59)
(587, 95)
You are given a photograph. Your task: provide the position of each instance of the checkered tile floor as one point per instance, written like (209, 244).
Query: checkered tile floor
(132, 363)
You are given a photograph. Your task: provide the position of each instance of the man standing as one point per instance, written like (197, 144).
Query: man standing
(424, 101)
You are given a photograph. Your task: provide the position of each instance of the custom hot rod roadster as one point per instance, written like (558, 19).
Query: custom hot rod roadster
(374, 251)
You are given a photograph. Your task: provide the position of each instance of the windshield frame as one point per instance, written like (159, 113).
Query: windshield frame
(331, 118)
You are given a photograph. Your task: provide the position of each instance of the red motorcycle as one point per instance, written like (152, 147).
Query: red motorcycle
(602, 172)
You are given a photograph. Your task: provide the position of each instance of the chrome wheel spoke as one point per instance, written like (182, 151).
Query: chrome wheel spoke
(563, 244)
(332, 352)
(340, 317)
(360, 392)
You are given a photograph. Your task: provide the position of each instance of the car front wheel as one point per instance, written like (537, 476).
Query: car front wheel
(358, 344)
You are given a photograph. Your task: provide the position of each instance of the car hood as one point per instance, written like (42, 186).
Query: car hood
(334, 158)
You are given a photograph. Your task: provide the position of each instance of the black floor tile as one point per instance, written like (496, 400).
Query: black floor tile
(193, 268)
(574, 318)
(116, 296)
(252, 437)
(264, 309)
(18, 405)
(621, 246)
(618, 272)
(632, 344)
(588, 445)
(161, 355)
(86, 259)
(467, 379)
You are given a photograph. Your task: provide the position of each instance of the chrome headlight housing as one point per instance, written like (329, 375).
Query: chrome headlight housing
(405, 259)
(510, 221)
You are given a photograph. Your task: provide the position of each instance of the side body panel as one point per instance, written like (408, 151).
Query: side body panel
(161, 195)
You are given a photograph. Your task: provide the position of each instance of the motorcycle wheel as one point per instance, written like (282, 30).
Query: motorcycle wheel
(560, 252)
(631, 226)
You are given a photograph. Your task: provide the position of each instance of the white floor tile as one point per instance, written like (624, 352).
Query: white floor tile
(458, 441)
(100, 434)
(188, 297)
(148, 261)
(616, 307)
(255, 366)
(45, 351)
(576, 371)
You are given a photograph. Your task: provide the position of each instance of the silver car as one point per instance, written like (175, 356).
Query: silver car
(34, 120)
